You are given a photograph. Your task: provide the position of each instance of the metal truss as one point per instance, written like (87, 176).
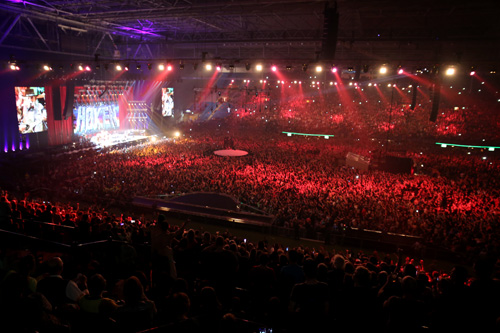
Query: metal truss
(286, 30)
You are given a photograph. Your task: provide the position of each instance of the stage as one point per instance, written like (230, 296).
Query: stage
(230, 152)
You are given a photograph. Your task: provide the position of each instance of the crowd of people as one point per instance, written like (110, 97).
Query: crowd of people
(192, 281)
(451, 200)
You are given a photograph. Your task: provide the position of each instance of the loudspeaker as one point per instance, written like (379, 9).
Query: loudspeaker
(56, 103)
(70, 99)
(330, 32)
(435, 102)
(414, 99)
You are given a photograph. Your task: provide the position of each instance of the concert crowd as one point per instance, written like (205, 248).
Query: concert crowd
(177, 279)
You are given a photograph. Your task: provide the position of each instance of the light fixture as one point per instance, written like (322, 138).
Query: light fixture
(383, 70)
(319, 69)
(258, 68)
(208, 67)
(47, 68)
(118, 67)
(169, 67)
(247, 66)
(80, 67)
(334, 69)
(288, 68)
(450, 71)
(274, 68)
(161, 67)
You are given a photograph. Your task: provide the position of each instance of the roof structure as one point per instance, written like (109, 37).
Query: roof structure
(291, 31)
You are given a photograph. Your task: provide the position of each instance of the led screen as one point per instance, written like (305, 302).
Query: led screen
(167, 102)
(95, 117)
(31, 110)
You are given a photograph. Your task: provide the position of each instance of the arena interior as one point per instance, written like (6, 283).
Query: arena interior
(249, 166)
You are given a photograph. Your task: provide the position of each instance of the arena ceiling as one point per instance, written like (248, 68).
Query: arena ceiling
(408, 32)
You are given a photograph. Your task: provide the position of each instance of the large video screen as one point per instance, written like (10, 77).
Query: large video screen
(31, 110)
(95, 117)
(167, 102)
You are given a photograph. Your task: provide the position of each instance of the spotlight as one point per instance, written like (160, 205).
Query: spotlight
(350, 69)
(218, 68)
(80, 67)
(288, 68)
(231, 67)
(208, 67)
(97, 67)
(138, 66)
(274, 68)
(169, 68)
(258, 68)
(87, 68)
(493, 71)
(161, 67)
(472, 73)
(150, 66)
(334, 69)
(47, 68)
(126, 67)
(14, 67)
(181, 66)
(118, 67)
(247, 66)
(383, 70)
(400, 71)
(319, 69)
(304, 67)
(450, 71)
(177, 134)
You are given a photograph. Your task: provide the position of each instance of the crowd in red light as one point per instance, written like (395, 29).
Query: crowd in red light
(452, 200)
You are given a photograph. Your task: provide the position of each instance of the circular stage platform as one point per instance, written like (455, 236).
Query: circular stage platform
(230, 152)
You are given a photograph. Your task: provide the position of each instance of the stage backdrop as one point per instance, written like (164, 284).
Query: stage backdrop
(60, 131)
